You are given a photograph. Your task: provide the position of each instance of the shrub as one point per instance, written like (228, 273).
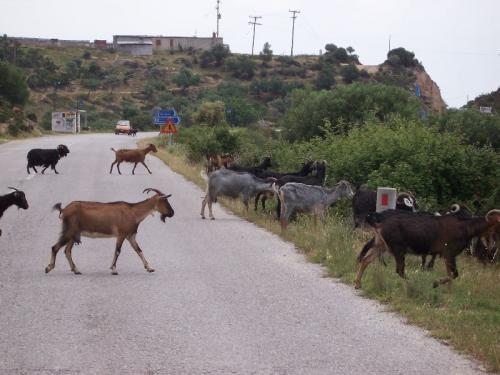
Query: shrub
(13, 84)
(326, 77)
(344, 107)
(350, 73)
(267, 54)
(242, 67)
(478, 128)
(401, 57)
(186, 78)
(439, 168)
(211, 114)
(202, 141)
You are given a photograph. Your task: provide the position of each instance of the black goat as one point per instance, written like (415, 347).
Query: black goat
(402, 232)
(256, 170)
(318, 179)
(17, 197)
(46, 158)
(307, 168)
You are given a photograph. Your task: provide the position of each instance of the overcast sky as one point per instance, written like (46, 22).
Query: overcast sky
(458, 41)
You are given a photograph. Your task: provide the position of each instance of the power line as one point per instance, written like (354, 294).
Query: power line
(254, 23)
(293, 26)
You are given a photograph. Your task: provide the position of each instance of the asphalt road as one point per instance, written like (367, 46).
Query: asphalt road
(226, 297)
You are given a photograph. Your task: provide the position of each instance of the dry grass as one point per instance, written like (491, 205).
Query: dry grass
(468, 318)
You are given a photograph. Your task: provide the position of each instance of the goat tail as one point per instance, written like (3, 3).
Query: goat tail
(365, 249)
(112, 149)
(276, 188)
(57, 207)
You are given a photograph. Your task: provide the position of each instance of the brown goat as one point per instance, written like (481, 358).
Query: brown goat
(104, 220)
(131, 156)
(215, 162)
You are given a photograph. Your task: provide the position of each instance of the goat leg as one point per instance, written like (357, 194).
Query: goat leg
(118, 249)
(451, 270)
(54, 168)
(133, 169)
(210, 213)
(111, 169)
(53, 255)
(139, 252)
(203, 204)
(257, 197)
(72, 264)
(118, 167)
(372, 253)
(146, 167)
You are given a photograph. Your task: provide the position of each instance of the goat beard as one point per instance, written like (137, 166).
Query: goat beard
(163, 217)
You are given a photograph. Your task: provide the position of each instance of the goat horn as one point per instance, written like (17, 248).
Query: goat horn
(13, 188)
(148, 190)
(455, 207)
(494, 211)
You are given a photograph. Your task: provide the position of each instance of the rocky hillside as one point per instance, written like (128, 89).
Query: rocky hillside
(111, 85)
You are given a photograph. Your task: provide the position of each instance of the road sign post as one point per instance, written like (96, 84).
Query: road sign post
(168, 120)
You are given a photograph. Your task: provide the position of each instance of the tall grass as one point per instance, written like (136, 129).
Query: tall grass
(468, 317)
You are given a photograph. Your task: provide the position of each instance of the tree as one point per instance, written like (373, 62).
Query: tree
(343, 107)
(350, 73)
(186, 78)
(326, 77)
(13, 85)
(112, 81)
(90, 84)
(402, 57)
(267, 54)
(241, 67)
(211, 114)
(220, 52)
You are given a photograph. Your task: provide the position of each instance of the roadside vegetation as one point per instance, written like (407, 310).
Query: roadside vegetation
(374, 137)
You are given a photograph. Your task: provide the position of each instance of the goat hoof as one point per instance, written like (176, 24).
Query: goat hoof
(203, 217)
(77, 272)
(114, 273)
(212, 218)
(151, 270)
(47, 269)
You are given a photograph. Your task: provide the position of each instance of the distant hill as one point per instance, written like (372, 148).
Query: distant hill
(111, 85)
(487, 100)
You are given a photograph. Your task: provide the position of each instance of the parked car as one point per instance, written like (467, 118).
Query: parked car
(123, 127)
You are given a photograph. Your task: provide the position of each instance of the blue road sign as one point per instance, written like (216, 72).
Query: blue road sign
(161, 117)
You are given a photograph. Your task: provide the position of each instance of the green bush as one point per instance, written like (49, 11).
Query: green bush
(439, 168)
(326, 77)
(202, 141)
(242, 67)
(211, 114)
(350, 73)
(13, 84)
(343, 107)
(186, 78)
(478, 128)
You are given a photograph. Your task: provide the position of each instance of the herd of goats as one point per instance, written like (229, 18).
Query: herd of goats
(399, 231)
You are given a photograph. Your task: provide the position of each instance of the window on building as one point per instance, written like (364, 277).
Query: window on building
(158, 42)
(171, 43)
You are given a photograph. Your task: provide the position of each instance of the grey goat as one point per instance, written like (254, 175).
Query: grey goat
(227, 183)
(296, 197)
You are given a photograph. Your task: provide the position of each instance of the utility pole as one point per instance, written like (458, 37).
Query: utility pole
(254, 23)
(293, 26)
(218, 17)
(389, 43)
